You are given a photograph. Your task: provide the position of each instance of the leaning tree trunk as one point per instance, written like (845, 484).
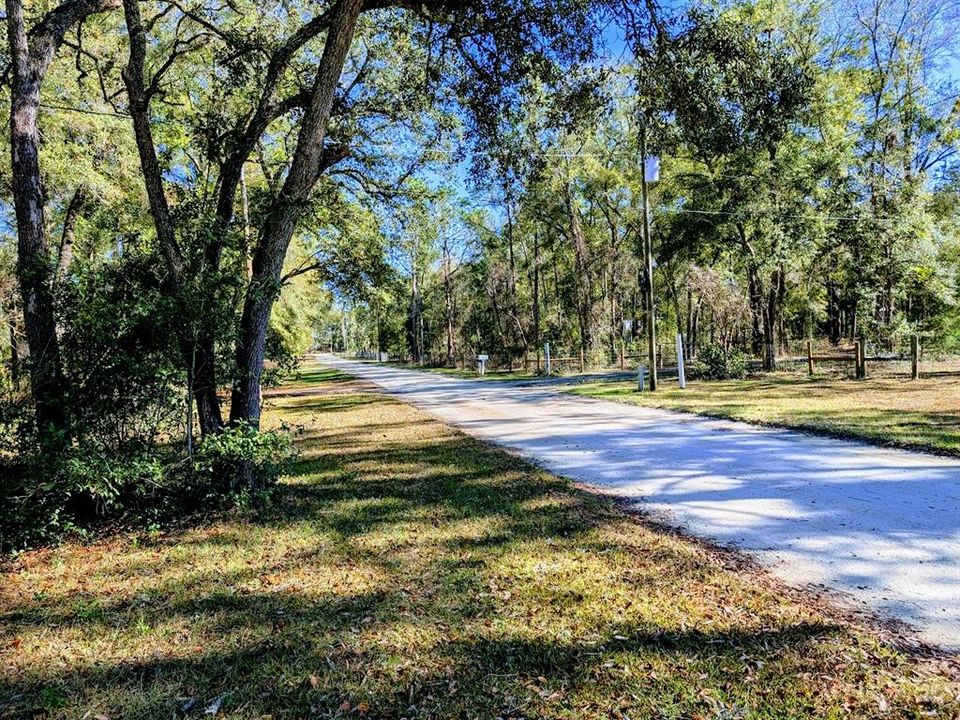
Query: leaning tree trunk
(69, 234)
(308, 162)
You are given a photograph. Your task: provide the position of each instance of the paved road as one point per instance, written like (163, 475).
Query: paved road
(881, 526)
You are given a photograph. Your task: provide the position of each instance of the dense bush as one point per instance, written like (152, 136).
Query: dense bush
(46, 496)
(125, 459)
(117, 341)
(218, 459)
(715, 363)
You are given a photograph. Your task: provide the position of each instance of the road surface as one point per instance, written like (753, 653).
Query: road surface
(880, 526)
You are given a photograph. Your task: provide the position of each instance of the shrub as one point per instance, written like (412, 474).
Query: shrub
(220, 459)
(715, 363)
(736, 364)
(123, 461)
(119, 353)
(46, 496)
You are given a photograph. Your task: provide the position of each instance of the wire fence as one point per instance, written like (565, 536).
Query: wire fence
(903, 359)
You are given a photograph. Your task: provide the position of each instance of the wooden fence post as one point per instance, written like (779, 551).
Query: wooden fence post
(809, 358)
(621, 355)
(858, 359)
(581, 360)
(546, 352)
(915, 357)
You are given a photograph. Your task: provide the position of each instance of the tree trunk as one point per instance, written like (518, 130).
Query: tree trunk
(834, 308)
(517, 333)
(29, 64)
(614, 274)
(448, 300)
(536, 296)
(755, 292)
(197, 348)
(770, 315)
(582, 282)
(755, 289)
(414, 314)
(285, 212)
(68, 236)
(694, 339)
(781, 321)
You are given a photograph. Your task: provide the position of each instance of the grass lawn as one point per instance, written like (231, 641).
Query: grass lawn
(918, 414)
(407, 571)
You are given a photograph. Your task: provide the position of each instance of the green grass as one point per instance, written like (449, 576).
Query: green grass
(407, 571)
(919, 414)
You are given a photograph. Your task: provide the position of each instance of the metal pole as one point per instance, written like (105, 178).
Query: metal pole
(681, 375)
(648, 260)
(546, 352)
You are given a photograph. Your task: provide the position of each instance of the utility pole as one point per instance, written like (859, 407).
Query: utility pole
(648, 259)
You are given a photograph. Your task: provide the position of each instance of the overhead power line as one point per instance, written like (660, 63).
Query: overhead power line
(84, 111)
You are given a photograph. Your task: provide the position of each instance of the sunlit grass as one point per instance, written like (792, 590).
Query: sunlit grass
(407, 571)
(918, 414)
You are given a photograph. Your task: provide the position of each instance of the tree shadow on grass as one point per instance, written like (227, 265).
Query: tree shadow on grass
(332, 671)
(419, 577)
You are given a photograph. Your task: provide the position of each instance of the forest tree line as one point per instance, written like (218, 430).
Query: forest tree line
(809, 191)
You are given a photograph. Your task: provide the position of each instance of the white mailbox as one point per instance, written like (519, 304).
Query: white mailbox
(482, 364)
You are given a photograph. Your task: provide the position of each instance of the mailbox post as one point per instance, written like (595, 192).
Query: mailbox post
(482, 364)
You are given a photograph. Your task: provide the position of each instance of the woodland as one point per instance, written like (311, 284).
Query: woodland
(199, 193)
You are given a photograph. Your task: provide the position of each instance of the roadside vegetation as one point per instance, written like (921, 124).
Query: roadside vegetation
(891, 411)
(197, 193)
(407, 571)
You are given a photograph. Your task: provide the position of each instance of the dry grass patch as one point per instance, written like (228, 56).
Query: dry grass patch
(407, 571)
